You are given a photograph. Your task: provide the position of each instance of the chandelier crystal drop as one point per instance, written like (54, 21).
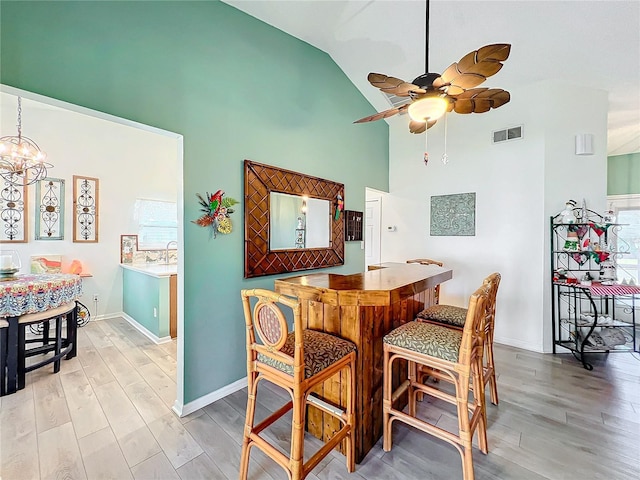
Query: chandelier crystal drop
(21, 160)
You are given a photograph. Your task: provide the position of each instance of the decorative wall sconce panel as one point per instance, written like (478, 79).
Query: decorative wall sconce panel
(13, 211)
(50, 209)
(85, 209)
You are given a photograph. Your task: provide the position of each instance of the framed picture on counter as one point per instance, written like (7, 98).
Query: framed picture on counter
(128, 246)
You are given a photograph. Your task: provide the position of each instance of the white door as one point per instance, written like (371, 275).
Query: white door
(372, 232)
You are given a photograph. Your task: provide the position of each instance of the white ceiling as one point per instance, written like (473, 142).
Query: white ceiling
(589, 43)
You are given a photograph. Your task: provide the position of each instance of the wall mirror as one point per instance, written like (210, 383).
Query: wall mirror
(289, 221)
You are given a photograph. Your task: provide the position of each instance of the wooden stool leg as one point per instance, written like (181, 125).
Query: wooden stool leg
(297, 434)
(464, 426)
(412, 374)
(493, 385)
(252, 389)
(22, 360)
(479, 399)
(58, 344)
(351, 408)
(72, 332)
(386, 402)
(3, 360)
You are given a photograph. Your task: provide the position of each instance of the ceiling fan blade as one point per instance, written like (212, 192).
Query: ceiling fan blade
(393, 85)
(497, 52)
(467, 80)
(474, 67)
(480, 100)
(385, 114)
(472, 92)
(454, 90)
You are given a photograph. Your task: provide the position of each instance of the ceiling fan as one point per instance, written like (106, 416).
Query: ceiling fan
(431, 95)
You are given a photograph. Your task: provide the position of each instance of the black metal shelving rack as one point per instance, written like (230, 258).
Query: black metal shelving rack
(576, 313)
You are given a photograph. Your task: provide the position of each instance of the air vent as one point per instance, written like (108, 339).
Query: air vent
(396, 101)
(511, 133)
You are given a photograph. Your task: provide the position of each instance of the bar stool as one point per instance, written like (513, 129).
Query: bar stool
(60, 346)
(452, 353)
(455, 317)
(428, 261)
(296, 361)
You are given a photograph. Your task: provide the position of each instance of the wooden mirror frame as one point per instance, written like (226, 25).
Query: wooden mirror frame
(259, 181)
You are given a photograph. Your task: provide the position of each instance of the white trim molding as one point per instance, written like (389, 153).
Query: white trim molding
(184, 410)
(155, 339)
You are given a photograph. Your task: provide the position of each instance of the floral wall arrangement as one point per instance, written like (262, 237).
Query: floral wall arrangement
(217, 210)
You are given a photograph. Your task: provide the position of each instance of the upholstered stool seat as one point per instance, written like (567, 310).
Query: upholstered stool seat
(445, 314)
(321, 350)
(428, 339)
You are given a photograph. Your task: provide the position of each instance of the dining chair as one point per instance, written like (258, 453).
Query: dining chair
(428, 261)
(297, 361)
(455, 317)
(451, 353)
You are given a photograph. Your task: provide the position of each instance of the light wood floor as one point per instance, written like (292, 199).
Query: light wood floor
(107, 415)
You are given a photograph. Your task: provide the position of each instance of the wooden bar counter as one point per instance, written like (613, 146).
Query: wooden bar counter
(362, 307)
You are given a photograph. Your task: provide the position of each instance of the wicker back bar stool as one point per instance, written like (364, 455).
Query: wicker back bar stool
(454, 354)
(428, 261)
(296, 361)
(455, 317)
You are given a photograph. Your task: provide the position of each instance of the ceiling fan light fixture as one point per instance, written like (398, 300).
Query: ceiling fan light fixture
(429, 108)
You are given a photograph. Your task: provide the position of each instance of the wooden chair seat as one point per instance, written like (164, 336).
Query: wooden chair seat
(298, 362)
(445, 314)
(447, 353)
(58, 345)
(428, 339)
(321, 350)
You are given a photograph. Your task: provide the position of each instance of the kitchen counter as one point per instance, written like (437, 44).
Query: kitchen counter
(153, 269)
(149, 299)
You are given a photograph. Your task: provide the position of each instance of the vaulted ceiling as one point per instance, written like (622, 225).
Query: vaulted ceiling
(594, 44)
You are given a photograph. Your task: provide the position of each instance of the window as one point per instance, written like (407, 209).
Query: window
(157, 223)
(628, 214)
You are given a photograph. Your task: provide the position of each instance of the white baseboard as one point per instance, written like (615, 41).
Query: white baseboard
(155, 339)
(511, 342)
(183, 410)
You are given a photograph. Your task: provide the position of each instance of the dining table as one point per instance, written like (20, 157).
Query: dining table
(24, 294)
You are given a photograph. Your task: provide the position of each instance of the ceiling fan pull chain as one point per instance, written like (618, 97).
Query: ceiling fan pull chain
(445, 157)
(426, 150)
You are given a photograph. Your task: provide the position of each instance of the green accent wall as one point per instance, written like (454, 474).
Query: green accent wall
(140, 295)
(236, 89)
(623, 174)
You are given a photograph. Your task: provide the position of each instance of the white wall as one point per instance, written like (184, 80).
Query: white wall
(129, 162)
(518, 184)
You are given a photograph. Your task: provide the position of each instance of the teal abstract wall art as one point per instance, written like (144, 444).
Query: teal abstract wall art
(453, 215)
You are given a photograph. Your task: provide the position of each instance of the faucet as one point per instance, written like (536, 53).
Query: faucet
(166, 251)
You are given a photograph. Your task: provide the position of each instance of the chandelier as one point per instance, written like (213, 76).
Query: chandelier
(21, 160)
